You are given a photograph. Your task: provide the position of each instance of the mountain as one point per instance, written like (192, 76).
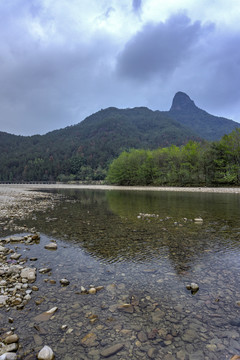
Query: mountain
(207, 126)
(85, 150)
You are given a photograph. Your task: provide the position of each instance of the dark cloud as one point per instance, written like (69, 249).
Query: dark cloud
(54, 72)
(136, 5)
(48, 84)
(160, 48)
(222, 69)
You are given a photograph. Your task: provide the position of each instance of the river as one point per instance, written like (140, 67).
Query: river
(144, 248)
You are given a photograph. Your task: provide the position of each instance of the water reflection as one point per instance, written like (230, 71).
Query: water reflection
(108, 226)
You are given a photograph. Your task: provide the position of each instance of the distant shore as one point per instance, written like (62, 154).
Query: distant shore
(13, 190)
(15, 194)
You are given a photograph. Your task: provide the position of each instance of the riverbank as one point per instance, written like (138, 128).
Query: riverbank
(12, 191)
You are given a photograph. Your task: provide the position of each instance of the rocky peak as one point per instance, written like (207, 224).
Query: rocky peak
(182, 101)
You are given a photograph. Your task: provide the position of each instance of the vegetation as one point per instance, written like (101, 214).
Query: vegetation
(194, 164)
(85, 151)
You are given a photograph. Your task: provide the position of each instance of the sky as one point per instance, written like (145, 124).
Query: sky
(61, 60)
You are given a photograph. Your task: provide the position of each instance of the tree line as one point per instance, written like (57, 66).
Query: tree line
(194, 164)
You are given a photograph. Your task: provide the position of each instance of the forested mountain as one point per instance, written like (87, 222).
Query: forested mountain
(207, 126)
(84, 151)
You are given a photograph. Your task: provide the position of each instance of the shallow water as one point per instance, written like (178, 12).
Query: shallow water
(106, 238)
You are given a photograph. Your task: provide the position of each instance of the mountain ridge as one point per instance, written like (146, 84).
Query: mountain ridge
(207, 126)
(85, 150)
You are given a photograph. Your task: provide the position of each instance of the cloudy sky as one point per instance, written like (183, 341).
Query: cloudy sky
(62, 60)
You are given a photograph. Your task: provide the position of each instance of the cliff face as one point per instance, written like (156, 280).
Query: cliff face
(182, 102)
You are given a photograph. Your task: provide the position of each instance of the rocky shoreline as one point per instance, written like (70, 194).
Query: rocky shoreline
(16, 284)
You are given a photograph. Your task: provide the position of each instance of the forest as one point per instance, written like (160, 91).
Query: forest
(84, 152)
(194, 164)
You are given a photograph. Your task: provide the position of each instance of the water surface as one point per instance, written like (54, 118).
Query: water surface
(143, 248)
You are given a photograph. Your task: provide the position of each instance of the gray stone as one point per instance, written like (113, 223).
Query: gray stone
(44, 270)
(2, 249)
(64, 282)
(12, 339)
(194, 287)
(46, 353)
(15, 256)
(190, 335)
(9, 348)
(8, 356)
(16, 238)
(51, 246)
(111, 350)
(142, 336)
(3, 299)
(152, 353)
(29, 274)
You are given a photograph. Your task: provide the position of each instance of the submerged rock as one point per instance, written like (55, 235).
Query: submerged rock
(111, 350)
(128, 308)
(46, 315)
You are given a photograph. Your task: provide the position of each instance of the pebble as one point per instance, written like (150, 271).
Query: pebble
(92, 290)
(8, 356)
(152, 353)
(198, 220)
(44, 270)
(35, 288)
(12, 339)
(193, 287)
(29, 274)
(11, 347)
(112, 350)
(46, 353)
(51, 246)
(64, 282)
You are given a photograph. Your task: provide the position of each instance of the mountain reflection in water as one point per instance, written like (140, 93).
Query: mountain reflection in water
(108, 226)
